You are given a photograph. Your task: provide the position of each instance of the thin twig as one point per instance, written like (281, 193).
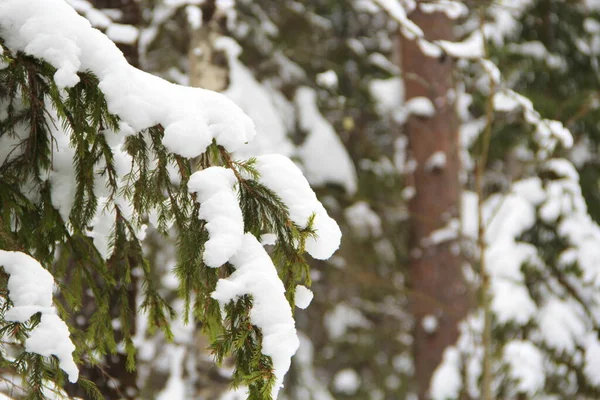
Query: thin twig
(486, 389)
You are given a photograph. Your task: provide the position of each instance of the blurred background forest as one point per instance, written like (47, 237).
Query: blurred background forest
(470, 261)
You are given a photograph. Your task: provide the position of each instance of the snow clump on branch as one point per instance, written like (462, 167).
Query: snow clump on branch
(256, 275)
(30, 291)
(283, 177)
(221, 211)
(192, 117)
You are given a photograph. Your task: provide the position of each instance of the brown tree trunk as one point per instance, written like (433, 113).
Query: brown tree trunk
(436, 281)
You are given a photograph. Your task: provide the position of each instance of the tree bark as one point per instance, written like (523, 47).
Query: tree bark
(437, 286)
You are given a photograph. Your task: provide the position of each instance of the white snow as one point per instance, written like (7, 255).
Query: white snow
(592, 358)
(356, 46)
(565, 201)
(397, 11)
(561, 325)
(365, 6)
(464, 357)
(388, 94)
(255, 275)
(303, 296)
(470, 48)
(268, 239)
(592, 5)
(363, 220)
(346, 381)
(381, 61)
(429, 323)
(120, 33)
(581, 152)
(492, 71)
(97, 18)
(283, 177)
(192, 117)
(511, 216)
(403, 363)
(561, 322)
(548, 132)
(102, 224)
(469, 221)
(179, 3)
(511, 300)
(30, 289)
(420, 106)
(30, 286)
(436, 161)
(104, 219)
(225, 5)
(504, 102)
(343, 317)
(174, 388)
(323, 155)
(220, 209)
(447, 381)
(547, 129)
(327, 79)
(444, 234)
(408, 192)
(452, 9)
(526, 365)
(506, 218)
(429, 49)
(194, 16)
(562, 168)
(591, 26)
(537, 50)
(62, 175)
(400, 153)
(272, 114)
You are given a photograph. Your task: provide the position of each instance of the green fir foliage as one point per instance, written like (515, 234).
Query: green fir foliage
(85, 279)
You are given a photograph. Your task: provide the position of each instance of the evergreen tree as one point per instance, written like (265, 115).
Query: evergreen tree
(93, 152)
(329, 48)
(535, 333)
(111, 196)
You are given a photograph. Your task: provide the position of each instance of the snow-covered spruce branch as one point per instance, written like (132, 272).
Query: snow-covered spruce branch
(30, 288)
(93, 150)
